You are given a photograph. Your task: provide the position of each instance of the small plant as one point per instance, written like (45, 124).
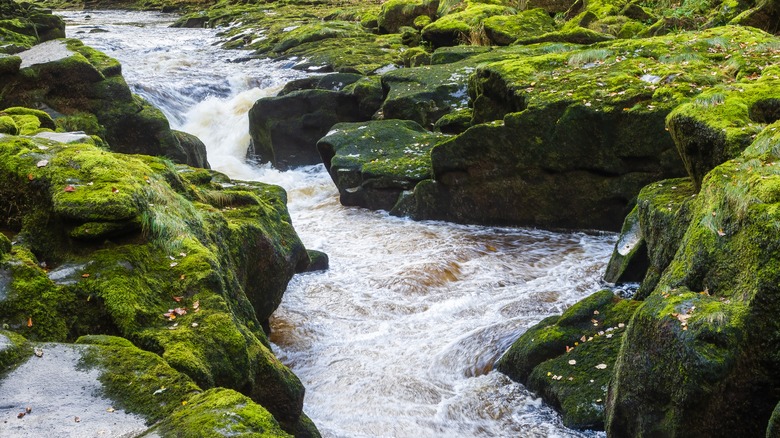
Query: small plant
(586, 57)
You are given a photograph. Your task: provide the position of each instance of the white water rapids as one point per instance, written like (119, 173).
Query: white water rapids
(398, 338)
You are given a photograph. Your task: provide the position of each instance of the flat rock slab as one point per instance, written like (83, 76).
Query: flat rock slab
(65, 400)
(43, 53)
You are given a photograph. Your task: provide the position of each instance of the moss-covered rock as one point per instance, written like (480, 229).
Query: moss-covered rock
(575, 35)
(569, 359)
(319, 261)
(580, 127)
(463, 26)
(372, 163)
(285, 129)
(183, 262)
(22, 25)
(74, 80)
(720, 123)
(710, 323)
(396, 14)
(424, 94)
(764, 15)
(13, 349)
(219, 412)
(505, 29)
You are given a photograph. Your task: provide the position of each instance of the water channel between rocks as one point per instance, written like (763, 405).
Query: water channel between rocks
(398, 338)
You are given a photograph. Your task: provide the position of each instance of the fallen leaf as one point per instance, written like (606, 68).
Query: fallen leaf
(180, 311)
(110, 409)
(114, 190)
(621, 325)
(84, 275)
(184, 402)
(601, 366)
(177, 299)
(721, 233)
(28, 409)
(77, 419)
(38, 352)
(30, 176)
(42, 163)
(70, 188)
(173, 264)
(595, 312)
(194, 324)
(196, 305)
(29, 322)
(160, 391)
(20, 415)
(181, 277)
(572, 362)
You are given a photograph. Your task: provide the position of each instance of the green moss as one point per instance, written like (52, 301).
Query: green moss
(220, 412)
(398, 13)
(13, 349)
(505, 29)
(317, 32)
(139, 381)
(569, 359)
(8, 126)
(710, 319)
(373, 162)
(457, 27)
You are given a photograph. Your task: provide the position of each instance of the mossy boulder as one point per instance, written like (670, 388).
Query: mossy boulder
(285, 129)
(22, 25)
(581, 127)
(426, 93)
(506, 29)
(396, 14)
(317, 32)
(183, 262)
(70, 79)
(575, 35)
(569, 358)
(720, 123)
(710, 323)
(372, 163)
(454, 28)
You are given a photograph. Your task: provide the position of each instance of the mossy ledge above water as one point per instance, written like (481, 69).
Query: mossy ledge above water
(183, 262)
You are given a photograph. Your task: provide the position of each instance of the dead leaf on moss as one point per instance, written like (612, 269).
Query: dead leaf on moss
(70, 188)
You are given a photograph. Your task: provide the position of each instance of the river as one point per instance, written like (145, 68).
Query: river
(398, 337)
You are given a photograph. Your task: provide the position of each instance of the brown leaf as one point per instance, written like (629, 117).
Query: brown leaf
(84, 275)
(42, 163)
(177, 299)
(20, 415)
(29, 322)
(70, 188)
(30, 176)
(77, 419)
(114, 190)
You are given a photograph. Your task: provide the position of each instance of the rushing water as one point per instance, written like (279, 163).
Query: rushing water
(398, 338)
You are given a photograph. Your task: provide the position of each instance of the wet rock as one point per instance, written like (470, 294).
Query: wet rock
(569, 359)
(764, 15)
(629, 258)
(710, 320)
(193, 148)
(319, 261)
(372, 163)
(285, 128)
